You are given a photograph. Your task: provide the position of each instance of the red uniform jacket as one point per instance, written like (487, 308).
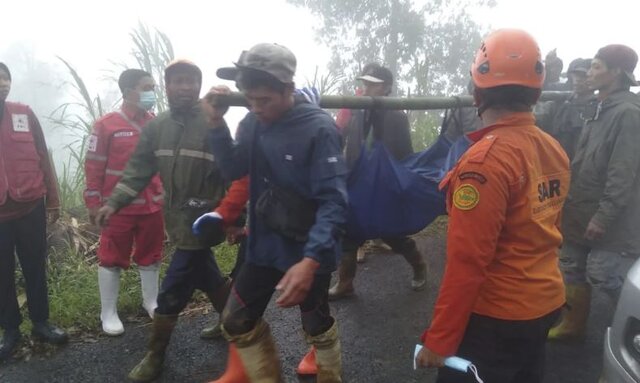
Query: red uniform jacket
(234, 201)
(26, 174)
(112, 142)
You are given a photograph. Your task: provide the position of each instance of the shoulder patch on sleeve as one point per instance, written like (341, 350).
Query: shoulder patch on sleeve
(466, 197)
(472, 176)
(478, 152)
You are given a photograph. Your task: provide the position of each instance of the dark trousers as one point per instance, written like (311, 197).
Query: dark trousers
(189, 270)
(239, 258)
(27, 237)
(503, 351)
(252, 291)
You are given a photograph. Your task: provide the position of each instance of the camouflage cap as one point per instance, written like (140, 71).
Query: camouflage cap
(274, 59)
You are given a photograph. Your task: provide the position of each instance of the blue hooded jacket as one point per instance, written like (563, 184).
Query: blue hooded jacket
(301, 152)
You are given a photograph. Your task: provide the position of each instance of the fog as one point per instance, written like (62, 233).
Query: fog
(94, 38)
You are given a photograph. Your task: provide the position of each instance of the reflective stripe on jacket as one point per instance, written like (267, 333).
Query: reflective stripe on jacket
(110, 145)
(175, 146)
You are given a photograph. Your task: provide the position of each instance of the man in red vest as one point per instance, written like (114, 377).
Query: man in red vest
(110, 145)
(28, 194)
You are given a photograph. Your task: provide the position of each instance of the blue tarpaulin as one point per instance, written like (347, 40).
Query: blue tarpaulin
(390, 198)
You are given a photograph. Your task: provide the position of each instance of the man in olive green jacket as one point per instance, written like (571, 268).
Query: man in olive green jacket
(602, 211)
(175, 146)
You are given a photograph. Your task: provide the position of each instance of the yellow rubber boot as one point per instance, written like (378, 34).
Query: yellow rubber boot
(258, 353)
(346, 273)
(235, 372)
(328, 355)
(574, 320)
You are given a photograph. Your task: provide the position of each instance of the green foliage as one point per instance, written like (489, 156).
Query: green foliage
(74, 298)
(429, 47)
(226, 257)
(425, 129)
(328, 83)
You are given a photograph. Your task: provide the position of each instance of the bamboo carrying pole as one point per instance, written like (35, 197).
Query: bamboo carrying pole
(401, 103)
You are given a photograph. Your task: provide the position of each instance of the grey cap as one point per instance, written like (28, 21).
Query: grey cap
(579, 65)
(274, 59)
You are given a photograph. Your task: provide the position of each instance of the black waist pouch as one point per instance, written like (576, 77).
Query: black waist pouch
(286, 212)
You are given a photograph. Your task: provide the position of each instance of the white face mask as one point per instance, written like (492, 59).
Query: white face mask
(147, 100)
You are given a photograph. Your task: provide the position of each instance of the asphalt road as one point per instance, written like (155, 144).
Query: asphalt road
(379, 328)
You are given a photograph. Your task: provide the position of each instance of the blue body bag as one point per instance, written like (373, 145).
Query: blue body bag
(390, 198)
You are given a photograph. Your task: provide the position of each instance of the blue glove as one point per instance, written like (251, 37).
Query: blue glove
(213, 219)
(310, 94)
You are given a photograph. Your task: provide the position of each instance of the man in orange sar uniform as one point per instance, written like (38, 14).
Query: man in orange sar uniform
(502, 288)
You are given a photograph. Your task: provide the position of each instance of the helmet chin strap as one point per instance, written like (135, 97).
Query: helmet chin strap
(480, 105)
(481, 109)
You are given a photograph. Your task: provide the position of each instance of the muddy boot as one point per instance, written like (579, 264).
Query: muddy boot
(211, 332)
(307, 365)
(574, 320)
(218, 300)
(413, 256)
(419, 280)
(235, 369)
(361, 256)
(328, 355)
(151, 366)
(346, 274)
(258, 353)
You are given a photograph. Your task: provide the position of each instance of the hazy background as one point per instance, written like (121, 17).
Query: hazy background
(94, 36)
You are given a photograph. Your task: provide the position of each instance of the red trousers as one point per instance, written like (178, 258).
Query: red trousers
(141, 234)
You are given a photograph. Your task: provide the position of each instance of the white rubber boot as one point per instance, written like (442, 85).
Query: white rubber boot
(109, 282)
(149, 283)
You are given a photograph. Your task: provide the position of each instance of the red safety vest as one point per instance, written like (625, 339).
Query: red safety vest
(21, 177)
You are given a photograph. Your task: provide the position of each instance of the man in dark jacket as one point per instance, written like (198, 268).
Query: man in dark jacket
(391, 127)
(602, 212)
(174, 146)
(564, 119)
(291, 152)
(28, 196)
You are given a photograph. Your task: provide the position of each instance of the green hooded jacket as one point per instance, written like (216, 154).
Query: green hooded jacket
(175, 146)
(605, 179)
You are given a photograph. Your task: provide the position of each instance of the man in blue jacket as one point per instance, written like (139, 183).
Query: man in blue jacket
(291, 151)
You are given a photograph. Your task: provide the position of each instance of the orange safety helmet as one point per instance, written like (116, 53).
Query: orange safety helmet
(508, 57)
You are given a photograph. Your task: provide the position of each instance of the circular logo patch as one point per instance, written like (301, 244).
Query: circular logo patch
(466, 197)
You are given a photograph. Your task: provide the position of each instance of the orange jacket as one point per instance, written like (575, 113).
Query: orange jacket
(234, 201)
(111, 144)
(504, 199)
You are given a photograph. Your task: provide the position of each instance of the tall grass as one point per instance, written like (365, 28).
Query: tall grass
(75, 119)
(152, 51)
(72, 273)
(74, 298)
